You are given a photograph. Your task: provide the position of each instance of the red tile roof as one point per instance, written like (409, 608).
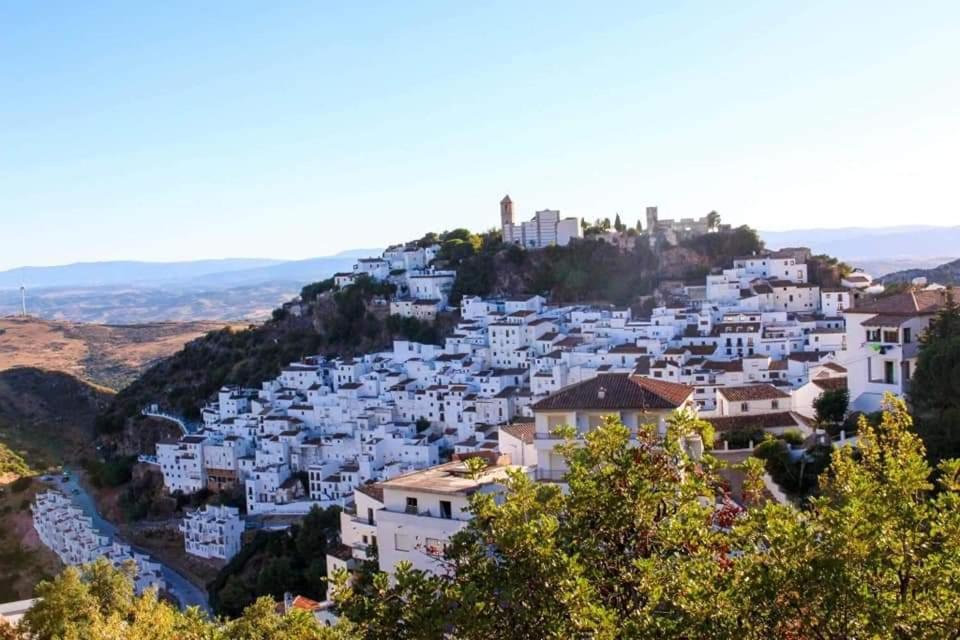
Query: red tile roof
(755, 421)
(617, 391)
(752, 392)
(831, 384)
(523, 432)
(906, 303)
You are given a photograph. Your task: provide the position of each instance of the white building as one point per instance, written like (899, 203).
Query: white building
(68, 532)
(213, 532)
(882, 339)
(424, 509)
(634, 400)
(546, 228)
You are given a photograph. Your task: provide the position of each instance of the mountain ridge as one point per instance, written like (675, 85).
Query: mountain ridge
(203, 271)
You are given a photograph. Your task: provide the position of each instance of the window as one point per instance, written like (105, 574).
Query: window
(401, 542)
(907, 335)
(369, 515)
(774, 404)
(888, 372)
(411, 505)
(446, 509)
(745, 407)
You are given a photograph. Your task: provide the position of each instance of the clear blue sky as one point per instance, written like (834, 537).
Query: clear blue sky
(178, 130)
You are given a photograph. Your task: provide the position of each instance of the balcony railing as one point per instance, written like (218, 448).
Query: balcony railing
(551, 475)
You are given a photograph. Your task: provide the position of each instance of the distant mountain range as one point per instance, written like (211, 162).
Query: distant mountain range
(229, 272)
(125, 292)
(877, 250)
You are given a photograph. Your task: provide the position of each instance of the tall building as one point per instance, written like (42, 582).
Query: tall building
(546, 228)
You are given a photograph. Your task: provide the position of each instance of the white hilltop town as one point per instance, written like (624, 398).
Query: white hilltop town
(386, 435)
(750, 349)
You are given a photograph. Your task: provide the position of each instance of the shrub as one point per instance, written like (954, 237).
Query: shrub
(792, 436)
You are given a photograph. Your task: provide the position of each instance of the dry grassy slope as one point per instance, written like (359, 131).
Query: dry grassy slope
(107, 355)
(48, 416)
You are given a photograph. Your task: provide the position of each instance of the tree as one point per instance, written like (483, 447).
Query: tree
(831, 406)
(875, 556)
(713, 220)
(933, 387)
(618, 225)
(96, 602)
(621, 553)
(646, 544)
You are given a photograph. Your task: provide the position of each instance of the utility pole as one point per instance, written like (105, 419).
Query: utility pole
(23, 301)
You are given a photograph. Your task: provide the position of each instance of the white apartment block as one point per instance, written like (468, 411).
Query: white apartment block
(213, 532)
(68, 532)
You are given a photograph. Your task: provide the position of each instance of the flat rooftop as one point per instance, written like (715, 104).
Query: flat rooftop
(450, 478)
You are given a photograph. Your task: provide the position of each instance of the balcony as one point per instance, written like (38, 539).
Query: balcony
(551, 475)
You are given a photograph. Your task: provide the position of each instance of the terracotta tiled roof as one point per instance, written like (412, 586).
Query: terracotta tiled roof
(752, 392)
(833, 366)
(886, 320)
(616, 391)
(373, 490)
(906, 303)
(628, 348)
(756, 421)
(306, 604)
(732, 366)
(831, 384)
(523, 432)
(701, 349)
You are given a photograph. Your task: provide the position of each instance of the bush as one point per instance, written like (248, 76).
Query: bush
(792, 436)
(111, 472)
(21, 484)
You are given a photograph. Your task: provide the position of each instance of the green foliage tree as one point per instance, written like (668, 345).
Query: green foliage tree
(831, 406)
(713, 220)
(96, 602)
(646, 544)
(277, 562)
(935, 383)
(618, 224)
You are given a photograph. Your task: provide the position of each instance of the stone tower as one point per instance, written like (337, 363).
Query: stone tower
(506, 219)
(506, 211)
(651, 220)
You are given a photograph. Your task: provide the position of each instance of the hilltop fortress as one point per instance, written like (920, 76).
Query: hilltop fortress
(547, 228)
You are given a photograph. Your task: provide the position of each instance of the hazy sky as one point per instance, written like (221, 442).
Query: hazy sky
(176, 130)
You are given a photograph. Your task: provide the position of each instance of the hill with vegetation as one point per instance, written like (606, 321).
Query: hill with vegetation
(945, 274)
(47, 417)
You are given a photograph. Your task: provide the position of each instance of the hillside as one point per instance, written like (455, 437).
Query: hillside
(107, 355)
(46, 416)
(346, 322)
(948, 274)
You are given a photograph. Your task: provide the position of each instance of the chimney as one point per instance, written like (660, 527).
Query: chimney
(601, 393)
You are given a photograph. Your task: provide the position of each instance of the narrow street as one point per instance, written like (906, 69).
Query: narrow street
(186, 593)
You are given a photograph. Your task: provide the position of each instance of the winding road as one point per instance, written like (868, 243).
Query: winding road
(186, 593)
